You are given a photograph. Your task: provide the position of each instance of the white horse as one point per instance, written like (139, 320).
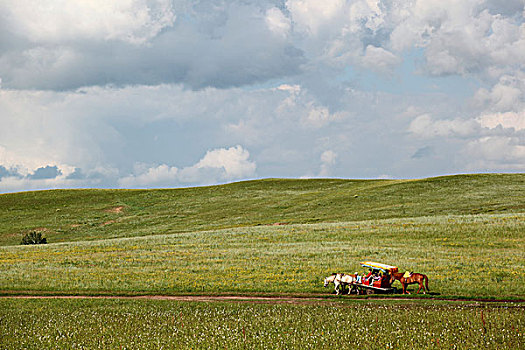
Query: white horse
(340, 281)
(331, 279)
(346, 281)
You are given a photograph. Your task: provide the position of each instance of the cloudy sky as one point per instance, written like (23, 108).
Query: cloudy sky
(162, 93)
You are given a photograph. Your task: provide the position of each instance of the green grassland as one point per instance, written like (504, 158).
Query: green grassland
(267, 237)
(154, 324)
(474, 255)
(465, 232)
(79, 215)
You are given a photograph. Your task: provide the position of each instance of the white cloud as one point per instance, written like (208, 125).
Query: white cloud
(371, 12)
(294, 89)
(57, 21)
(504, 104)
(234, 162)
(63, 129)
(113, 128)
(317, 116)
(312, 16)
(232, 44)
(246, 130)
(507, 95)
(218, 165)
(505, 120)
(320, 116)
(379, 59)
(277, 22)
(328, 159)
(427, 127)
(26, 172)
(461, 37)
(162, 175)
(501, 97)
(88, 43)
(13, 184)
(301, 102)
(337, 32)
(138, 42)
(98, 87)
(333, 18)
(24, 165)
(496, 152)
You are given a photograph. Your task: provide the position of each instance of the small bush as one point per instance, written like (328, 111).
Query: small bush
(34, 238)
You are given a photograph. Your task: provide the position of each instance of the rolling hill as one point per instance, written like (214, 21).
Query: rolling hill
(90, 214)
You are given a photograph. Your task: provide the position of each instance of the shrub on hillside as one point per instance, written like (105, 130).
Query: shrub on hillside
(33, 237)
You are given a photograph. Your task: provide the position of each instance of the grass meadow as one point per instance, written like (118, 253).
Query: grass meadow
(266, 237)
(161, 324)
(480, 255)
(80, 215)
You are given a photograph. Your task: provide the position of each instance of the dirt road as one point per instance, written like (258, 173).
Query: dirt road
(313, 299)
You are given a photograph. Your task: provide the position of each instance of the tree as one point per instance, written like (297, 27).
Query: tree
(34, 237)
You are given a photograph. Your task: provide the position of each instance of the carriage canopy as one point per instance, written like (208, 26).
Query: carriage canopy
(379, 266)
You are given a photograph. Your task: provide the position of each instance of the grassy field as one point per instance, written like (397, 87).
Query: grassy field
(79, 215)
(467, 233)
(153, 324)
(475, 255)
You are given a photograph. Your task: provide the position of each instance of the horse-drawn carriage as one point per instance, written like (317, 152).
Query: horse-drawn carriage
(378, 281)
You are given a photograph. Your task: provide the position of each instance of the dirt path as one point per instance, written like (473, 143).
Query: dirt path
(314, 299)
(201, 298)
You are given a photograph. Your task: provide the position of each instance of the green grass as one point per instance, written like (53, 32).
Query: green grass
(153, 324)
(78, 215)
(474, 255)
(465, 232)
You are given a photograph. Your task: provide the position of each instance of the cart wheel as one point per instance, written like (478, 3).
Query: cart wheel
(369, 291)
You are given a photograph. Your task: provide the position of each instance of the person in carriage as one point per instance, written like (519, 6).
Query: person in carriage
(358, 277)
(378, 272)
(373, 275)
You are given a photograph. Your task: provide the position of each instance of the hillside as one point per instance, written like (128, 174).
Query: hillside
(73, 215)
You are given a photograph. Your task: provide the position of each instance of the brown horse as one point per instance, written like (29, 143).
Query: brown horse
(414, 278)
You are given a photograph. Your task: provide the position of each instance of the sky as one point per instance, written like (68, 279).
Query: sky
(165, 93)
